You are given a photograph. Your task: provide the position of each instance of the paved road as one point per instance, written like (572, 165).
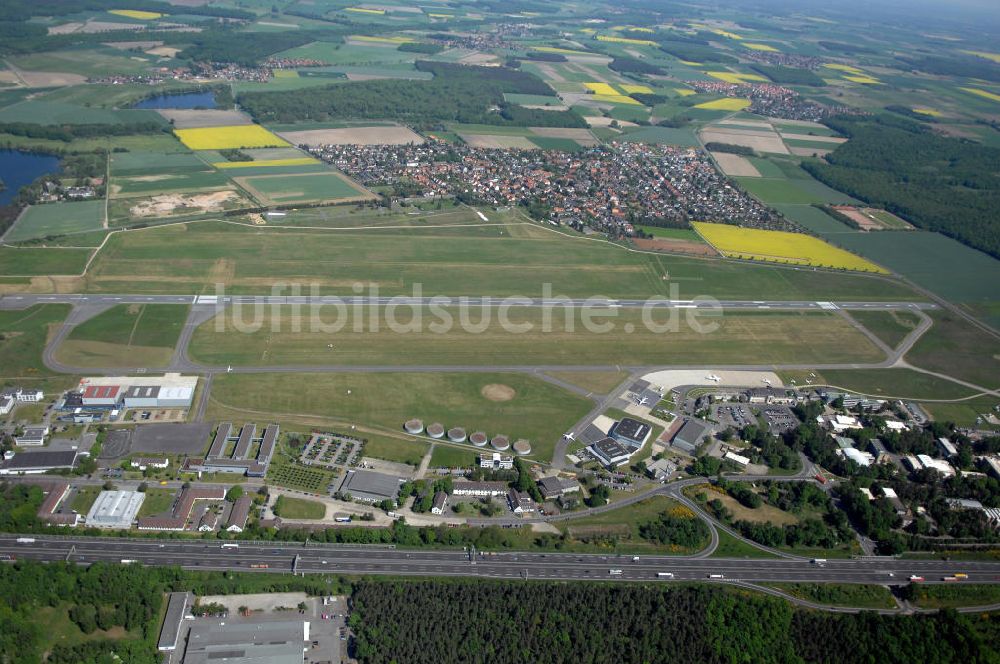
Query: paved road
(19, 301)
(279, 557)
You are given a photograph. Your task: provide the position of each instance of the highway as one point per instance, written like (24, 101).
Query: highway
(22, 300)
(382, 560)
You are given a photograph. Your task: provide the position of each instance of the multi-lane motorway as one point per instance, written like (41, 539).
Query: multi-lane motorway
(381, 560)
(19, 301)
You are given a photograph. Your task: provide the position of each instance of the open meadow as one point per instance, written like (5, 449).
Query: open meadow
(532, 409)
(125, 335)
(39, 221)
(423, 339)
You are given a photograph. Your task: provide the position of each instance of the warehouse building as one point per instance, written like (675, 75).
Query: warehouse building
(247, 642)
(171, 390)
(37, 462)
(369, 486)
(177, 606)
(630, 432)
(611, 453)
(241, 461)
(115, 509)
(689, 436)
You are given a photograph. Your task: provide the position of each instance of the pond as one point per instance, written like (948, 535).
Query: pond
(18, 169)
(181, 100)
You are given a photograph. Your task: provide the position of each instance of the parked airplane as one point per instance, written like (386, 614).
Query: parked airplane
(643, 401)
(713, 377)
(569, 435)
(767, 381)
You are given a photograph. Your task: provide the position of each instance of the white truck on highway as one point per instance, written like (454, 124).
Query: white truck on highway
(615, 572)
(25, 540)
(665, 575)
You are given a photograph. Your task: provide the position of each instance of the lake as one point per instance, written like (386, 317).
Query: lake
(182, 100)
(21, 168)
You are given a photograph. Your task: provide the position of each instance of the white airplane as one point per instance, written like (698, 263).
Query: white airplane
(713, 377)
(229, 369)
(643, 401)
(767, 381)
(329, 345)
(569, 435)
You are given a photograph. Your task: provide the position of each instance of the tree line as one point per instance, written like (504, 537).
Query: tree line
(935, 182)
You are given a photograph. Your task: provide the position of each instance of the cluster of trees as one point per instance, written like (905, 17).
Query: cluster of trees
(693, 49)
(789, 75)
(667, 529)
(459, 93)
(457, 621)
(424, 491)
(546, 57)
(230, 45)
(955, 66)
(427, 48)
(624, 65)
(67, 132)
(935, 182)
(649, 98)
(731, 149)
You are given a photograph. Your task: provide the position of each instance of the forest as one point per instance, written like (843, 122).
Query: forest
(936, 183)
(437, 622)
(457, 93)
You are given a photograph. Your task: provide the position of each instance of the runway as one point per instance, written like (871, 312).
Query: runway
(21, 301)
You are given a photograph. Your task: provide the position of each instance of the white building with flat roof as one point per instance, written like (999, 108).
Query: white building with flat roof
(115, 509)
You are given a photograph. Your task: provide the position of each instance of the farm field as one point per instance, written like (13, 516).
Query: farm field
(399, 450)
(227, 138)
(148, 185)
(32, 261)
(284, 473)
(780, 246)
(190, 258)
(955, 348)
(39, 221)
(359, 135)
(537, 410)
(764, 337)
(125, 335)
(40, 111)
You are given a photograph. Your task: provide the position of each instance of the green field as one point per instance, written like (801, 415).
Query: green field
(685, 234)
(731, 547)
(283, 472)
(280, 189)
(768, 338)
(157, 502)
(600, 382)
(955, 348)
(34, 261)
(889, 326)
(191, 181)
(395, 449)
(775, 191)
(39, 221)
(480, 260)
(661, 135)
(40, 111)
(956, 594)
(839, 594)
(299, 508)
(126, 335)
(95, 62)
(23, 335)
(623, 524)
(538, 411)
(448, 456)
(901, 383)
(964, 413)
(84, 499)
(135, 164)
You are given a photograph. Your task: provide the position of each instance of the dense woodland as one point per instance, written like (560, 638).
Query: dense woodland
(463, 621)
(457, 93)
(936, 183)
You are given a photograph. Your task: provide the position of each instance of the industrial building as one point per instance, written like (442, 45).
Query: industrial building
(32, 437)
(177, 605)
(689, 436)
(611, 453)
(479, 489)
(495, 461)
(239, 514)
(115, 509)
(556, 487)
(630, 432)
(240, 460)
(110, 392)
(369, 486)
(247, 642)
(37, 461)
(178, 518)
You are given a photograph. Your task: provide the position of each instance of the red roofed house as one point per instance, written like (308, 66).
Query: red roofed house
(102, 395)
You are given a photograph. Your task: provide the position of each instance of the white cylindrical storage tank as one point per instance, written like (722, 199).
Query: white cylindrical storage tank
(414, 426)
(478, 439)
(522, 447)
(456, 435)
(500, 443)
(435, 430)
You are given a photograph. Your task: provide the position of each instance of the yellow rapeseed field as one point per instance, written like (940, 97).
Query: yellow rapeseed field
(761, 47)
(360, 10)
(726, 33)
(441, 15)
(625, 40)
(864, 79)
(631, 89)
(556, 49)
(617, 99)
(689, 63)
(995, 57)
(780, 247)
(228, 138)
(600, 88)
(726, 104)
(848, 68)
(982, 93)
(294, 161)
(684, 92)
(927, 111)
(735, 79)
(136, 13)
(285, 73)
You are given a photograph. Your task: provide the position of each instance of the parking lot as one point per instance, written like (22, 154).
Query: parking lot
(735, 415)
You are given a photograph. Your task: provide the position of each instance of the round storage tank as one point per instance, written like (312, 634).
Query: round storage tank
(435, 430)
(414, 426)
(500, 443)
(522, 447)
(478, 439)
(456, 435)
